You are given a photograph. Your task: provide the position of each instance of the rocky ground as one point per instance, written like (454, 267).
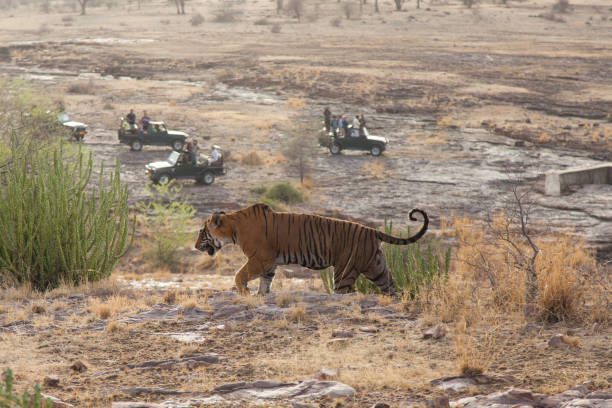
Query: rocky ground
(114, 345)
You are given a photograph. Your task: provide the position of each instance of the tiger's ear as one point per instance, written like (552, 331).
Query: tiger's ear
(217, 217)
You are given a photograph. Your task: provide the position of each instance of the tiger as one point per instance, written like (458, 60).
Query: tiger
(269, 238)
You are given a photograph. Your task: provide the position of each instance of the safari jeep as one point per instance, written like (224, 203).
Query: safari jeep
(357, 140)
(76, 130)
(156, 135)
(178, 165)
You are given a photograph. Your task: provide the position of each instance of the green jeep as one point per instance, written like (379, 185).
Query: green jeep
(179, 165)
(156, 135)
(358, 139)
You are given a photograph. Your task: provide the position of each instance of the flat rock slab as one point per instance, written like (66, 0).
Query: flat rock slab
(162, 312)
(515, 397)
(274, 390)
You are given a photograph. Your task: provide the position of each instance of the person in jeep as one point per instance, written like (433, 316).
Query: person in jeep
(194, 152)
(131, 119)
(216, 157)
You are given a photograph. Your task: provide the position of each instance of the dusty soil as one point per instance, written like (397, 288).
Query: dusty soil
(470, 99)
(138, 343)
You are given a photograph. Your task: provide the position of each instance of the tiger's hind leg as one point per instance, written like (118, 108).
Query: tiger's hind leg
(344, 280)
(265, 280)
(379, 274)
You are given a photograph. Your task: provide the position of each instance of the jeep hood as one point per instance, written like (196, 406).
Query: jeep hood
(74, 125)
(177, 133)
(378, 139)
(158, 165)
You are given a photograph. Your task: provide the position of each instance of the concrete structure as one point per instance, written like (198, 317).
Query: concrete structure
(557, 181)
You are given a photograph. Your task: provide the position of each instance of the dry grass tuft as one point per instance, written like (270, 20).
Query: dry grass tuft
(296, 313)
(38, 308)
(486, 289)
(252, 158)
(170, 297)
(284, 299)
(375, 169)
(114, 306)
(296, 103)
(113, 326)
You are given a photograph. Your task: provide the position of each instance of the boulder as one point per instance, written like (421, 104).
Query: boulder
(79, 366)
(341, 334)
(327, 374)
(436, 333)
(51, 381)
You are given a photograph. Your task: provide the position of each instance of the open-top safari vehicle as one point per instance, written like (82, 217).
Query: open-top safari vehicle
(76, 130)
(179, 165)
(358, 139)
(156, 134)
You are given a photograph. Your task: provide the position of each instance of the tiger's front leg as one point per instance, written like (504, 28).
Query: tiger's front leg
(265, 280)
(253, 269)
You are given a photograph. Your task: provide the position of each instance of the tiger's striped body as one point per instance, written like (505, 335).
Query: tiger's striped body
(270, 238)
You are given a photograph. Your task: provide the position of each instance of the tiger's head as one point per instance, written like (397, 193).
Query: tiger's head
(215, 232)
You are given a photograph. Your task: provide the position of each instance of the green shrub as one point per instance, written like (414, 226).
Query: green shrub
(56, 227)
(412, 266)
(285, 193)
(168, 224)
(9, 399)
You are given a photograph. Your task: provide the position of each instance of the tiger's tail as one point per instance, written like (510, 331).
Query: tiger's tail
(390, 239)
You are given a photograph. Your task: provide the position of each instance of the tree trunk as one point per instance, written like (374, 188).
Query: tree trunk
(376, 9)
(418, 4)
(398, 5)
(178, 10)
(83, 4)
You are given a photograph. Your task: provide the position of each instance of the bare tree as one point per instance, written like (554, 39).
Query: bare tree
(83, 4)
(516, 233)
(398, 4)
(297, 8)
(180, 6)
(299, 151)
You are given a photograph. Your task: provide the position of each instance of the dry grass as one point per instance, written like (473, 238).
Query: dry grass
(252, 158)
(486, 289)
(296, 103)
(296, 313)
(113, 306)
(285, 299)
(488, 276)
(387, 362)
(375, 169)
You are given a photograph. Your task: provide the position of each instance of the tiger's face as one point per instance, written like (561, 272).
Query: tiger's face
(215, 232)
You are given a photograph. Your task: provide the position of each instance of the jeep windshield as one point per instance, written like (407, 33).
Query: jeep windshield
(173, 158)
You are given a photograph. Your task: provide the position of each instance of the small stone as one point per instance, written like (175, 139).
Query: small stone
(435, 333)
(326, 374)
(51, 381)
(381, 405)
(562, 341)
(79, 366)
(56, 402)
(369, 329)
(337, 342)
(438, 402)
(341, 334)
